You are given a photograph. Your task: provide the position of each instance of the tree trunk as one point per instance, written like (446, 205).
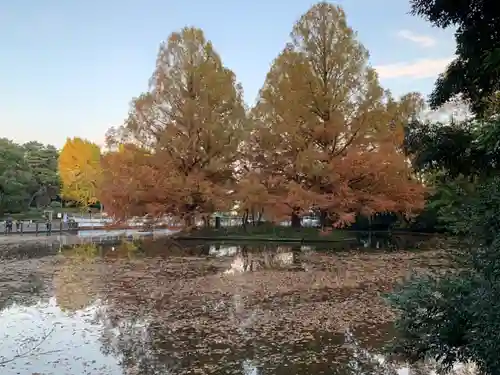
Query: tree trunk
(295, 219)
(259, 216)
(325, 220)
(189, 221)
(296, 250)
(244, 219)
(206, 221)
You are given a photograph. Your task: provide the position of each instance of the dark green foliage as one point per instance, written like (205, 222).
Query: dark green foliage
(452, 159)
(42, 160)
(436, 146)
(28, 173)
(456, 316)
(473, 73)
(468, 148)
(15, 176)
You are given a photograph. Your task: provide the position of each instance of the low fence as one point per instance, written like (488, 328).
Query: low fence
(37, 228)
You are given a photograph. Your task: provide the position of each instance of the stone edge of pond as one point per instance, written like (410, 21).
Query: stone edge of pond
(20, 242)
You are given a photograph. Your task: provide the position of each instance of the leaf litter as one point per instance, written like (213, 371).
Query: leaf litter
(189, 315)
(191, 312)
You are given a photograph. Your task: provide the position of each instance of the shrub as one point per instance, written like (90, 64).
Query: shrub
(456, 316)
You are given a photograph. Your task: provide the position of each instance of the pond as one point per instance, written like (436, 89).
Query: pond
(161, 307)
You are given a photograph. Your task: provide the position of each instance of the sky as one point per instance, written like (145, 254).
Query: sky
(71, 68)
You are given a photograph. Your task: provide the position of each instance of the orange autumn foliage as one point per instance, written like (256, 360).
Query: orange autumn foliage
(323, 135)
(138, 183)
(181, 140)
(326, 135)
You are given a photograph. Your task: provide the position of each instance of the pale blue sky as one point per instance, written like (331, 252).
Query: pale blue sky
(70, 68)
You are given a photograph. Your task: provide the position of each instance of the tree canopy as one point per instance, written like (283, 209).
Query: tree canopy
(42, 161)
(474, 72)
(453, 316)
(80, 170)
(184, 132)
(326, 134)
(28, 175)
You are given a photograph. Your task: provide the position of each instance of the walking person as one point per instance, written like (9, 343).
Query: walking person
(8, 225)
(48, 226)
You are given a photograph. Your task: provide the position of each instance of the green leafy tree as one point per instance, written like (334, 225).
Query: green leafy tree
(15, 177)
(455, 316)
(42, 162)
(475, 71)
(452, 159)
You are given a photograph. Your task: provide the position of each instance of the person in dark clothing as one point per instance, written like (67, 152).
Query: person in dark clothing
(48, 225)
(8, 225)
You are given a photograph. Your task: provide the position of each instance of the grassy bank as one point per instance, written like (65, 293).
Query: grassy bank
(266, 232)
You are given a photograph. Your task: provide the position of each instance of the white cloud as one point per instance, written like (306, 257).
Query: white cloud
(422, 40)
(423, 68)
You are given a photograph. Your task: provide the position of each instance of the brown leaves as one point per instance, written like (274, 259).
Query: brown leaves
(189, 126)
(195, 311)
(326, 129)
(185, 314)
(323, 134)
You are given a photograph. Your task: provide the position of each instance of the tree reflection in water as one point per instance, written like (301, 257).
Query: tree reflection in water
(281, 311)
(165, 308)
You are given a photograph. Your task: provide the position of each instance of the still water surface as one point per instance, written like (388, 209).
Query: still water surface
(165, 308)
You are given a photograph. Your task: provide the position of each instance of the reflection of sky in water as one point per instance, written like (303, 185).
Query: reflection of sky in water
(249, 368)
(240, 264)
(74, 337)
(77, 338)
(223, 251)
(121, 232)
(73, 347)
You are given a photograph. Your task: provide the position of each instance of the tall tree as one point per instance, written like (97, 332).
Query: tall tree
(42, 161)
(80, 170)
(474, 72)
(328, 135)
(15, 177)
(186, 131)
(452, 316)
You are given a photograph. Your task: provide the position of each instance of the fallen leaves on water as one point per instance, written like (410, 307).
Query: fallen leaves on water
(183, 311)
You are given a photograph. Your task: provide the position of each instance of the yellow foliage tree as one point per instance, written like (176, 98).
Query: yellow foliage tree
(80, 170)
